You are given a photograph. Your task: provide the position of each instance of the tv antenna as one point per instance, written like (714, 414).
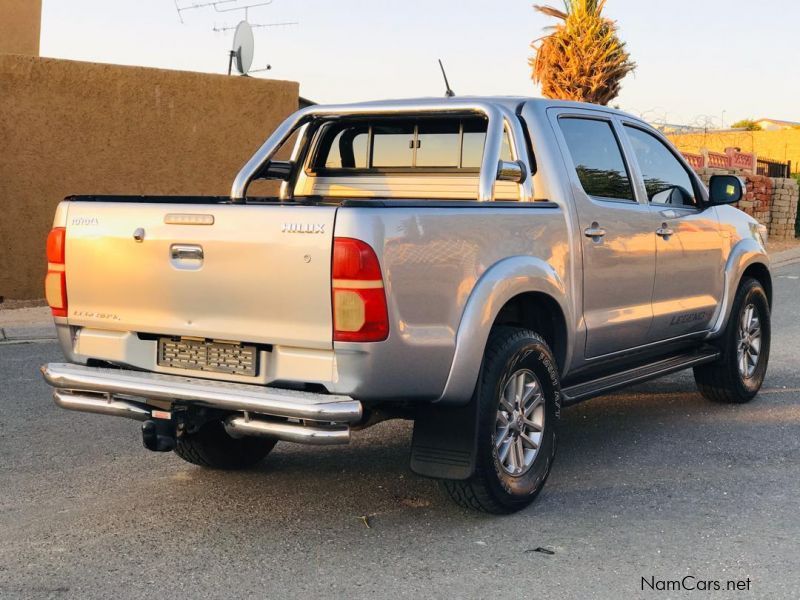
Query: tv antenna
(449, 93)
(220, 6)
(243, 41)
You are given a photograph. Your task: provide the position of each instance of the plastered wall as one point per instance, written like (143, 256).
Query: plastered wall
(71, 127)
(20, 26)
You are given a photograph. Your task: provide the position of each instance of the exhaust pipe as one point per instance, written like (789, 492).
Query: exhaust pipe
(100, 405)
(238, 426)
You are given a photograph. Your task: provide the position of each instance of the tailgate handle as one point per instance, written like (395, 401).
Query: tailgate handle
(186, 252)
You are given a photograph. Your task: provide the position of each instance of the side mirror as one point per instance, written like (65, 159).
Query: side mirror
(674, 196)
(276, 169)
(511, 171)
(725, 189)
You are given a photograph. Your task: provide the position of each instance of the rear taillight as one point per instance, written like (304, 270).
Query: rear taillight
(359, 301)
(55, 283)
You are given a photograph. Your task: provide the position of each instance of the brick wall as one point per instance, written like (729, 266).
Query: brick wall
(783, 209)
(771, 201)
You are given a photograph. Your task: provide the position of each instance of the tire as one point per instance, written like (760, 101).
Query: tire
(492, 488)
(213, 448)
(725, 380)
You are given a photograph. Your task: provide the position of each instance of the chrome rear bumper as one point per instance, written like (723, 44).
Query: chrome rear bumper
(125, 393)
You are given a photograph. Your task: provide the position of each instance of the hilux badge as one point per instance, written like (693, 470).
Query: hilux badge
(303, 228)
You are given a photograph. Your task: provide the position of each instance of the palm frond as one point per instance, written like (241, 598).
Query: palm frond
(550, 11)
(583, 58)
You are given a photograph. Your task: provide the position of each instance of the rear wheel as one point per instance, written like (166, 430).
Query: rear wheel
(518, 410)
(212, 447)
(739, 373)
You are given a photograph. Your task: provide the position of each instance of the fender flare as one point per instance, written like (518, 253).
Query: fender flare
(745, 253)
(500, 283)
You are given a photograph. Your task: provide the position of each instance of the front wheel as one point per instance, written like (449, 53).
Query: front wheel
(739, 373)
(518, 410)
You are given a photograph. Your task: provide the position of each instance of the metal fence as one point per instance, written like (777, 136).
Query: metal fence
(773, 168)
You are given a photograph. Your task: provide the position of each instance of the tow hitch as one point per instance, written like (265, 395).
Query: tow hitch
(159, 434)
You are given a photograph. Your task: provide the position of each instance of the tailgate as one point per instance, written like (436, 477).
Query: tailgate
(258, 273)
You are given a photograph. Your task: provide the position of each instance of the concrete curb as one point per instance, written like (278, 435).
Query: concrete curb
(34, 332)
(787, 257)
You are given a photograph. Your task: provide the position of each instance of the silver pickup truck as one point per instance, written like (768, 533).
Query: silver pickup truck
(473, 264)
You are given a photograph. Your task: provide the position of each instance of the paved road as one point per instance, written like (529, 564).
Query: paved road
(652, 482)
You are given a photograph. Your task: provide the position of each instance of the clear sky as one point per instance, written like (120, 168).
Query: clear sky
(696, 57)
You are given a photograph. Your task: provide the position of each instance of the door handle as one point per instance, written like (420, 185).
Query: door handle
(664, 231)
(186, 252)
(595, 232)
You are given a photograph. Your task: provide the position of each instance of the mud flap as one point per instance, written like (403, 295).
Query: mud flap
(445, 439)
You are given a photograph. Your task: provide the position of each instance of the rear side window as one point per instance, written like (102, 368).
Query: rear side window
(449, 144)
(597, 158)
(346, 147)
(665, 178)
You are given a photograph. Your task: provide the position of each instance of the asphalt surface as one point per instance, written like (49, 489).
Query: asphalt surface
(651, 482)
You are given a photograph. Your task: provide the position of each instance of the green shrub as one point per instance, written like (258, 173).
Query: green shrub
(747, 124)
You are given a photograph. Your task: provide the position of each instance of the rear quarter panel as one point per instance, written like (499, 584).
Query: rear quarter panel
(432, 260)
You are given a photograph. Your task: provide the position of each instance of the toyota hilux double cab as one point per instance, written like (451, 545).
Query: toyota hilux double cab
(473, 264)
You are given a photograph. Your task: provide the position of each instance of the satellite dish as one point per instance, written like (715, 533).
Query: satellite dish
(243, 47)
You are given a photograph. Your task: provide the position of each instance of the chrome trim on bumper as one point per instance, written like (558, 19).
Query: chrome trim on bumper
(100, 405)
(290, 432)
(276, 402)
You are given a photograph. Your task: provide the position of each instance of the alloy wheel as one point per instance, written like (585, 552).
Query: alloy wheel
(520, 422)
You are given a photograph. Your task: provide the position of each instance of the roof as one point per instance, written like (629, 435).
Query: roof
(780, 122)
(510, 102)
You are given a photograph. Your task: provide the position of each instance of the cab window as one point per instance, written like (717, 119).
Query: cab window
(597, 158)
(665, 178)
(421, 145)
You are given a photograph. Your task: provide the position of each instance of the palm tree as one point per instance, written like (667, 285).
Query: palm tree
(583, 58)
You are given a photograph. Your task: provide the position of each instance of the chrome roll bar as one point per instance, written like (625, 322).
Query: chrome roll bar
(498, 118)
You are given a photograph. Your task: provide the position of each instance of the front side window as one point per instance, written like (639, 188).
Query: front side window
(449, 144)
(665, 178)
(597, 158)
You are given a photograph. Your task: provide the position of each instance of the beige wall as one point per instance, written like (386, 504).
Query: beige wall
(20, 23)
(84, 128)
(782, 145)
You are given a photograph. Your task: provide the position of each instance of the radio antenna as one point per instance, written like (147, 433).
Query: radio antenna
(448, 92)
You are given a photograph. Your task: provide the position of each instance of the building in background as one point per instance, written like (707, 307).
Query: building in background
(20, 26)
(70, 127)
(776, 124)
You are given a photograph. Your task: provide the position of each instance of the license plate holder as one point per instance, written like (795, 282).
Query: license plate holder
(211, 356)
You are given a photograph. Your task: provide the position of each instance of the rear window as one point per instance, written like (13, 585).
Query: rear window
(597, 158)
(451, 144)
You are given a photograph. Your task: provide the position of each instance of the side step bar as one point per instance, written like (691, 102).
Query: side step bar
(602, 385)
